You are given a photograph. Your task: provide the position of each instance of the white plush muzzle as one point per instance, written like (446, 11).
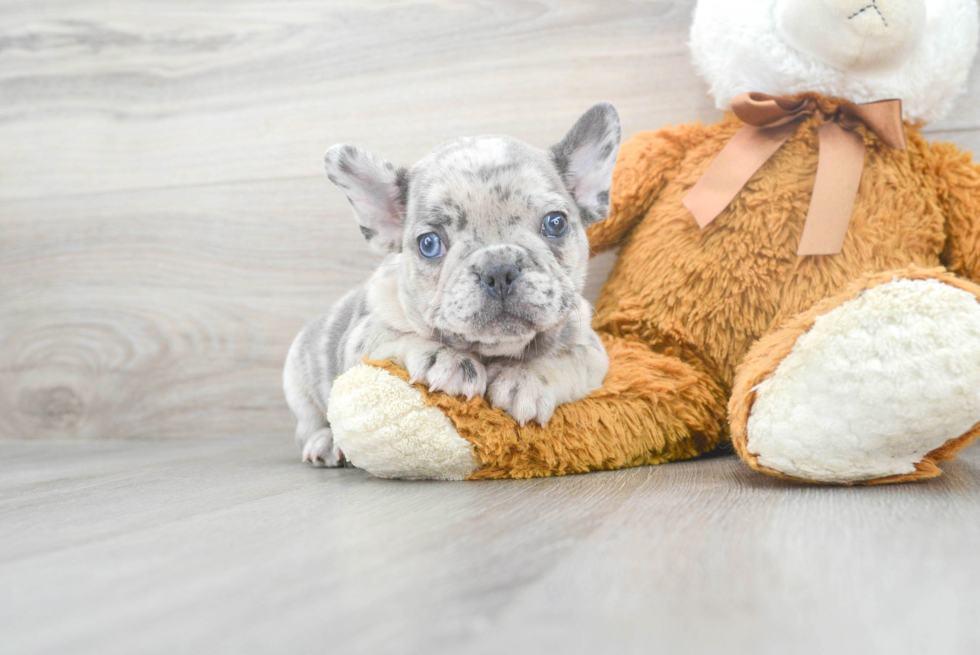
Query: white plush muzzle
(853, 35)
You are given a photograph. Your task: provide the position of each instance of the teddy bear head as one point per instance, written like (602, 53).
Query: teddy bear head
(919, 51)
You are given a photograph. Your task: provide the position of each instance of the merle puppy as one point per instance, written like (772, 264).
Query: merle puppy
(480, 291)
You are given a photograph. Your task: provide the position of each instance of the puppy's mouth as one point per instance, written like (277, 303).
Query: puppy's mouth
(512, 323)
(536, 303)
(503, 328)
(509, 324)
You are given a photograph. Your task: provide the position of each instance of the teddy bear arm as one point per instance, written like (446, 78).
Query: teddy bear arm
(960, 195)
(652, 408)
(644, 166)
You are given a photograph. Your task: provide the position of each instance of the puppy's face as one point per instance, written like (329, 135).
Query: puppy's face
(494, 245)
(491, 231)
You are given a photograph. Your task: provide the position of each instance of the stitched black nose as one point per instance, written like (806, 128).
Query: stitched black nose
(498, 279)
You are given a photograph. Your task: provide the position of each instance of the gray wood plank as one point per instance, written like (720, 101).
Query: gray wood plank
(120, 95)
(167, 312)
(217, 546)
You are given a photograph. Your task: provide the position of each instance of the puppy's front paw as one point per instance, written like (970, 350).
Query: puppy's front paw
(448, 370)
(320, 450)
(522, 393)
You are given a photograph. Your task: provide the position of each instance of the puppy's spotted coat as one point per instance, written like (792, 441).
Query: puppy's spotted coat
(480, 291)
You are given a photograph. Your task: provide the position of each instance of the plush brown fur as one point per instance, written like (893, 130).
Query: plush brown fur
(685, 309)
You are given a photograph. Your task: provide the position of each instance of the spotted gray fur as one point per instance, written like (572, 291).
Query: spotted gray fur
(523, 338)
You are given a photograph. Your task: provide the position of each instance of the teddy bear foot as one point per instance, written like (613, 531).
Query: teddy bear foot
(878, 389)
(382, 425)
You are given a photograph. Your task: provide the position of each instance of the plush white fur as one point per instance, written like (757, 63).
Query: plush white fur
(383, 426)
(784, 47)
(873, 386)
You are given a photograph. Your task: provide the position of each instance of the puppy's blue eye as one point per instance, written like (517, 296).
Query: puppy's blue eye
(430, 245)
(554, 225)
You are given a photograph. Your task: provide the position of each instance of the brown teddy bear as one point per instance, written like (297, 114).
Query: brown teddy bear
(798, 277)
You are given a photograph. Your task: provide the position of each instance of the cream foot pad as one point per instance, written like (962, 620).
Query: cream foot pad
(873, 386)
(383, 426)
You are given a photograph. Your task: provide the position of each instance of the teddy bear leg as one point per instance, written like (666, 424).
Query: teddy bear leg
(874, 385)
(651, 409)
(383, 425)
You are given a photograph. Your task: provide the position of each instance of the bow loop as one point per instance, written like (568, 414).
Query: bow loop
(764, 110)
(769, 122)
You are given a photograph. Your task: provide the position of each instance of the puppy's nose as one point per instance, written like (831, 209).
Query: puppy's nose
(498, 279)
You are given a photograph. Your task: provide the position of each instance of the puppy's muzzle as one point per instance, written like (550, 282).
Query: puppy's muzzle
(498, 280)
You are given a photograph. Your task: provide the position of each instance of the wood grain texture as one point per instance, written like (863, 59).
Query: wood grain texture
(120, 95)
(165, 228)
(232, 546)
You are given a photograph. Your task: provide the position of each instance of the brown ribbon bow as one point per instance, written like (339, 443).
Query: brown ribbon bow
(769, 122)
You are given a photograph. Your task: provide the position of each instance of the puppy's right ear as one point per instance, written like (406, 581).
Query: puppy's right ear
(376, 189)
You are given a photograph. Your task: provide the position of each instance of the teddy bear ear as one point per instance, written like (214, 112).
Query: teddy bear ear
(377, 191)
(585, 159)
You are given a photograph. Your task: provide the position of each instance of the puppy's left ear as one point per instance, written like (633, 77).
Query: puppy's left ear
(376, 189)
(585, 159)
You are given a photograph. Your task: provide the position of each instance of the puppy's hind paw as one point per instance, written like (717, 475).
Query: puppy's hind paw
(321, 451)
(449, 371)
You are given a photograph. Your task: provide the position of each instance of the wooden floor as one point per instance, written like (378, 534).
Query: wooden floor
(222, 546)
(166, 229)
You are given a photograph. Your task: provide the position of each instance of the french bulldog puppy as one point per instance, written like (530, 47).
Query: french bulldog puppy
(481, 289)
